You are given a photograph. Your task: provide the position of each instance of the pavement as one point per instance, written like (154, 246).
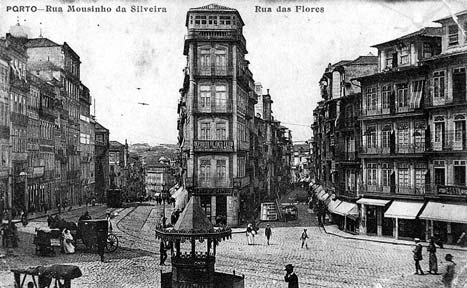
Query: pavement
(332, 260)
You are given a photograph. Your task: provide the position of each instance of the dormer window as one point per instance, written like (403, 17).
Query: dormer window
(404, 55)
(453, 35)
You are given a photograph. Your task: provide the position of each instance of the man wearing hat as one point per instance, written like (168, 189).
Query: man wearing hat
(290, 276)
(417, 256)
(268, 232)
(303, 238)
(449, 271)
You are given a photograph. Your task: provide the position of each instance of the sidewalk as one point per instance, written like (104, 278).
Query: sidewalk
(333, 230)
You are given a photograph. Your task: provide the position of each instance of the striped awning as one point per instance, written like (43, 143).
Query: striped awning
(332, 205)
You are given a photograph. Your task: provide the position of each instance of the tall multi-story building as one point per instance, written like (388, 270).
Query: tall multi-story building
(216, 100)
(41, 144)
(337, 135)
(446, 105)
(51, 61)
(19, 91)
(4, 127)
(394, 125)
(101, 164)
(86, 143)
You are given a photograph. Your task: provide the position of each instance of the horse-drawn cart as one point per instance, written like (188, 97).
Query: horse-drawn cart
(88, 231)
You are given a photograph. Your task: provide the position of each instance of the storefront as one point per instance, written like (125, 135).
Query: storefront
(406, 224)
(332, 206)
(349, 216)
(372, 221)
(445, 221)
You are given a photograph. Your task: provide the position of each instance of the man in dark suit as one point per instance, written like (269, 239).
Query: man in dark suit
(417, 256)
(290, 277)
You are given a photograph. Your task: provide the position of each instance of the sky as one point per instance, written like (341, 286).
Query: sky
(127, 58)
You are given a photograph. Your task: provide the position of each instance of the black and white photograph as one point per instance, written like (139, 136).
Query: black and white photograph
(233, 144)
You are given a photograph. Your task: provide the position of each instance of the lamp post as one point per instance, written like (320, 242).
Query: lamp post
(26, 194)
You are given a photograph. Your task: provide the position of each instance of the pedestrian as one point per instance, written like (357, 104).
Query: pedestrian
(290, 276)
(163, 253)
(68, 245)
(249, 234)
(268, 232)
(303, 238)
(449, 271)
(417, 256)
(163, 221)
(101, 241)
(433, 261)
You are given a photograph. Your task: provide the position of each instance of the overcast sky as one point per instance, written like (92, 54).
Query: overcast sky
(288, 52)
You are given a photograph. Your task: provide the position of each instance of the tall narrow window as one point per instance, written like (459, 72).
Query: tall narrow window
(205, 131)
(402, 96)
(221, 97)
(221, 171)
(221, 131)
(459, 172)
(221, 62)
(205, 59)
(453, 35)
(386, 174)
(205, 96)
(385, 96)
(403, 136)
(371, 173)
(205, 171)
(403, 175)
(372, 98)
(458, 85)
(405, 55)
(440, 171)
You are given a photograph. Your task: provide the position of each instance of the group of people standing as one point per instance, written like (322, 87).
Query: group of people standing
(449, 269)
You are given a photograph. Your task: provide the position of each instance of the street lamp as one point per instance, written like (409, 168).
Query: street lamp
(26, 196)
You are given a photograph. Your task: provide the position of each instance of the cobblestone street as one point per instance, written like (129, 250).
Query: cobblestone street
(330, 261)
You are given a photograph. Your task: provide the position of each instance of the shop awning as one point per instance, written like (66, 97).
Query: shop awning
(332, 205)
(181, 198)
(347, 209)
(445, 212)
(174, 189)
(374, 202)
(403, 209)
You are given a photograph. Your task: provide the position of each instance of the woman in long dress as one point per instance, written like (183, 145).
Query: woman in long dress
(68, 246)
(433, 261)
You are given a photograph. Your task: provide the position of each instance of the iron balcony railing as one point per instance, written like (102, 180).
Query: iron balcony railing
(394, 189)
(217, 70)
(446, 190)
(448, 141)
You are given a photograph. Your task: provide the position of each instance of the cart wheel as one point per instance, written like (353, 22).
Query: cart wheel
(112, 243)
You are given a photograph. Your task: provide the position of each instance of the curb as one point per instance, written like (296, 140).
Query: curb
(386, 242)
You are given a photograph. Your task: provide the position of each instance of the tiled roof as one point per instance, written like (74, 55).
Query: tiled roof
(427, 31)
(40, 42)
(365, 60)
(450, 16)
(211, 7)
(115, 143)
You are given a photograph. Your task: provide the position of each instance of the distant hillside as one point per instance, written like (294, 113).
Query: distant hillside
(151, 154)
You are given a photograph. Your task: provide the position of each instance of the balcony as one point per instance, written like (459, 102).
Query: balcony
(393, 189)
(433, 102)
(447, 190)
(215, 70)
(47, 112)
(450, 141)
(213, 146)
(401, 149)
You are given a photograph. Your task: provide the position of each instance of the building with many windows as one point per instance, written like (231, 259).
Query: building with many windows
(217, 98)
(413, 138)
